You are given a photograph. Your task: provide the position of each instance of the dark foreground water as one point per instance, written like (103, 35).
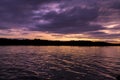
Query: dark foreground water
(59, 63)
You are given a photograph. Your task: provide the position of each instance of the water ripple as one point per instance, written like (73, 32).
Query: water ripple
(59, 63)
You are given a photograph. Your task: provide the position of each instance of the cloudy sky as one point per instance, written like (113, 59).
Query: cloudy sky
(60, 19)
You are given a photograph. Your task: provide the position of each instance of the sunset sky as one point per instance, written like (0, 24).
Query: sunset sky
(60, 19)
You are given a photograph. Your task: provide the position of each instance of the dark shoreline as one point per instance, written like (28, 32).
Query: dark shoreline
(38, 42)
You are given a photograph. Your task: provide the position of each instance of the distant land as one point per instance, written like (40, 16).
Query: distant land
(39, 42)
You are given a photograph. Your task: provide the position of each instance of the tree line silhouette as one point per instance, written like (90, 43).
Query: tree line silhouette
(39, 42)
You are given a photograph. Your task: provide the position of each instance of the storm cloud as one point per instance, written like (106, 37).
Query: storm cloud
(61, 16)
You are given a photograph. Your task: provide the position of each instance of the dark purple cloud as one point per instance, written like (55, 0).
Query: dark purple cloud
(103, 35)
(60, 16)
(3, 27)
(75, 20)
(116, 5)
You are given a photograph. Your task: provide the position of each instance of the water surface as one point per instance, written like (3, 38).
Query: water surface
(59, 63)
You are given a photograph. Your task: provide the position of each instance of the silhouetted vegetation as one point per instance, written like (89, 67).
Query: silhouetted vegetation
(38, 42)
(118, 77)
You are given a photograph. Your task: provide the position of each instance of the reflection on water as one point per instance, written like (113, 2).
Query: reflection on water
(59, 63)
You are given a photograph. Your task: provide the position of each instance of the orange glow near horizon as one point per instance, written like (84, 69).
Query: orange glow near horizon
(25, 34)
(90, 20)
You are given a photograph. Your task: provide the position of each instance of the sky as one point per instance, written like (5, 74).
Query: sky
(96, 20)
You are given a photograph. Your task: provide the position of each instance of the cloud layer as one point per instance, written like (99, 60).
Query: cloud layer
(94, 18)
